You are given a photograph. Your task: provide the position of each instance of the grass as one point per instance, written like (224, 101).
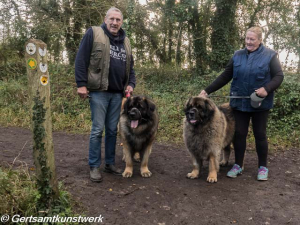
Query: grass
(169, 87)
(19, 195)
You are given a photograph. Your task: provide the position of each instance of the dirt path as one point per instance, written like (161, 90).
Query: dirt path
(168, 197)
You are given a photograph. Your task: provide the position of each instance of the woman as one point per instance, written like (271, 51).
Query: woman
(253, 69)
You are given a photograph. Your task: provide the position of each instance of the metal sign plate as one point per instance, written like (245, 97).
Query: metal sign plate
(44, 80)
(42, 52)
(43, 67)
(31, 63)
(30, 48)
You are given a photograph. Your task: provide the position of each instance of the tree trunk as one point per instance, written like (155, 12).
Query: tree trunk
(199, 41)
(73, 34)
(178, 51)
(39, 87)
(253, 17)
(223, 26)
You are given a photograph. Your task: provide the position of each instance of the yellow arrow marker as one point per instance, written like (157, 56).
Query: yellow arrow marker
(44, 80)
(31, 63)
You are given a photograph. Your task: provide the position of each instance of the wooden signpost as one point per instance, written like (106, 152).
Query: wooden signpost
(39, 95)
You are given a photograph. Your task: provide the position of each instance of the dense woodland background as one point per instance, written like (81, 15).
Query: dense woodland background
(198, 34)
(179, 47)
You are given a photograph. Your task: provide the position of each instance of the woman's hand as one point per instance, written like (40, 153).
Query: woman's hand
(261, 92)
(203, 94)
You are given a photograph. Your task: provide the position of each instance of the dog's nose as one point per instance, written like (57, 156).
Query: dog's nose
(132, 113)
(192, 113)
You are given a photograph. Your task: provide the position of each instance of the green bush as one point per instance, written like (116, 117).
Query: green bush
(19, 195)
(169, 87)
(285, 116)
(69, 112)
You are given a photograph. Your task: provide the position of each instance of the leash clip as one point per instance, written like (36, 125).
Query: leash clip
(127, 94)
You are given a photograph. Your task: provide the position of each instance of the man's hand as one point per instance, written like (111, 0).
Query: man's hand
(129, 89)
(261, 92)
(203, 94)
(83, 92)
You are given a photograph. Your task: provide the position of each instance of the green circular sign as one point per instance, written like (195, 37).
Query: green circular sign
(31, 63)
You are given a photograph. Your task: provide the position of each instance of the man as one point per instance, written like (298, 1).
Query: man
(104, 72)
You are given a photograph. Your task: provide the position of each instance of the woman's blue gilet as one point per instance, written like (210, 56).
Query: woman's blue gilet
(250, 72)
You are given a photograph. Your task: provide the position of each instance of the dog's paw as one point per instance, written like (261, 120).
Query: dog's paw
(192, 175)
(127, 173)
(146, 173)
(212, 179)
(224, 163)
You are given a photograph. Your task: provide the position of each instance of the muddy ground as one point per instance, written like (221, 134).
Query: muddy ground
(168, 197)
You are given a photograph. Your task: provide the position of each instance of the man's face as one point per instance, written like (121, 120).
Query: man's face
(113, 22)
(252, 41)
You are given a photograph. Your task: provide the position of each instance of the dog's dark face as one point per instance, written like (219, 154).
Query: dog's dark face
(139, 110)
(199, 110)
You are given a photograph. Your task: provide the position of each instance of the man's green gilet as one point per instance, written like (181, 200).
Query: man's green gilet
(98, 70)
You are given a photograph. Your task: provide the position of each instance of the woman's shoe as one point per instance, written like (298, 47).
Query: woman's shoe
(236, 170)
(262, 173)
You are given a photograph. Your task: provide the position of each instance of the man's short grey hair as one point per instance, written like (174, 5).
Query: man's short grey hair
(113, 9)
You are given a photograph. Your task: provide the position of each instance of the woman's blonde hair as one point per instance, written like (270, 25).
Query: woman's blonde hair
(257, 31)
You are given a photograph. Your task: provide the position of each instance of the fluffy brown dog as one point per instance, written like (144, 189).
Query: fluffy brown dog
(207, 130)
(138, 128)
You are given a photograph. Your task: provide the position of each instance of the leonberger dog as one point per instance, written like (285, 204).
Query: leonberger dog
(207, 130)
(138, 128)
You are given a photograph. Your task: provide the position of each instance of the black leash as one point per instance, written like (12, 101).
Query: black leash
(219, 96)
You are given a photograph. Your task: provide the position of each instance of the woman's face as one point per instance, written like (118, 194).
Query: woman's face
(252, 41)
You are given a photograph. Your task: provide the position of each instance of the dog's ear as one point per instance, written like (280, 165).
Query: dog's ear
(126, 106)
(210, 107)
(187, 104)
(151, 105)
